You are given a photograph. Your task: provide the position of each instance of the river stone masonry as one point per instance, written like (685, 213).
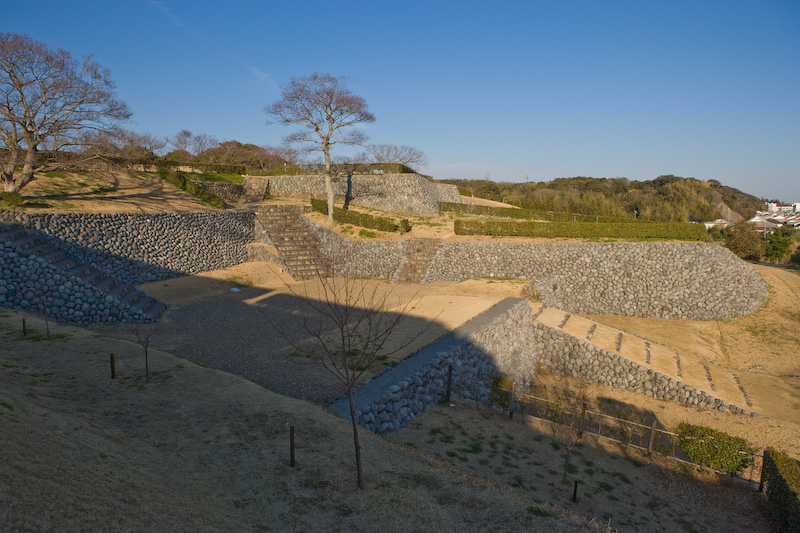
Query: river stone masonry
(141, 248)
(478, 354)
(573, 357)
(688, 281)
(410, 194)
(31, 284)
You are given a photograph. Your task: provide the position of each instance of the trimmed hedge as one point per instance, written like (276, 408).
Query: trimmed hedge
(187, 185)
(510, 212)
(682, 231)
(714, 449)
(782, 479)
(345, 216)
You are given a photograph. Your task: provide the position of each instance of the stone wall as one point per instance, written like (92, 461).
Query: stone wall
(139, 248)
(572, 357)
(30, 283)
(358, 259)
(694, 281)
(399, 193)
(502, 347)
(229, 192)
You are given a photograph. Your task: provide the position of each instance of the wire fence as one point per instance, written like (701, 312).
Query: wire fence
(648, 439)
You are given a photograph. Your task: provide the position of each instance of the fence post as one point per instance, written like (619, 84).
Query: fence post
(24, 328)
(763, 471)
(511, 401)
(449, 381)
(113, 368)
(291, 445)
(652, 439)
(583, 417)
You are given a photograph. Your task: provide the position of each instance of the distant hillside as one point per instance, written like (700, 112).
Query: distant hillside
(666, 198)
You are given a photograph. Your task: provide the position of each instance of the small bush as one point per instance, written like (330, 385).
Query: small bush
(714, 449)
(782, 478)
(499, 396)
(364, 220)
(181, 182)
(11, 199)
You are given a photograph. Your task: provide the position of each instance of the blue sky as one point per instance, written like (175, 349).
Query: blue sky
(507, 90)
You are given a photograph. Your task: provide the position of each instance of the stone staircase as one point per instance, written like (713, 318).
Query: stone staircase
(698, 372)
(297, 248)
(255, 190)
(417, 261)
(37, 244)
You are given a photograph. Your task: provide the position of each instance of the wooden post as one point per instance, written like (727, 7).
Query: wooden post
(511, 401)
(24, 328)
(583, 417)
(449, 381)
(113, 368)
(652, 439)
(763, 471)
(291, 445)
(575, 492)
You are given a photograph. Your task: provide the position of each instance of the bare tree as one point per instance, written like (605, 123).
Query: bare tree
(181, 141)
(202, 142)
(326, 110)
(144, 334)
(383, 154)
(349, 324)
(49, 99)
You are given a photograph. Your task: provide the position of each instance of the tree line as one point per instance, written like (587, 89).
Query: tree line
(665, 199)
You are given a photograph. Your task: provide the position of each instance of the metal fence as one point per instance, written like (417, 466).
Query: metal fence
(649, 440)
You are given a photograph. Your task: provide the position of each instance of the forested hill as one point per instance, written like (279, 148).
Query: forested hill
(666, 198)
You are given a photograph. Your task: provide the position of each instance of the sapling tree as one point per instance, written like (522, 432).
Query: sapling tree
(144, 334)
(349, 325)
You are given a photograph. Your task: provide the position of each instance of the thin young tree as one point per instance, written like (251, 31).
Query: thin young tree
(327, 113)
(144, 334)
(348, 325)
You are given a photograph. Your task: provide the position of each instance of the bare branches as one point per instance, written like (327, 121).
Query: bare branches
(324, 108)
(390, 153)
(349, 325)
(47, 97)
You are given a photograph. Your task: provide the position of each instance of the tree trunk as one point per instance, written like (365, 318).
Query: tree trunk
(326, 149)
(329, 189)
(356, 443)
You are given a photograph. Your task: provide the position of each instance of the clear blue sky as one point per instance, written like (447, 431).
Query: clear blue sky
(497, 89)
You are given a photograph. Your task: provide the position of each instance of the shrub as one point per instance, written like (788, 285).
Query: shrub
(583, 230)
(364, 220)
(187, 185)
(11, 199)
(782, 479)
(744, 241)
(714, 449)
(498, 395)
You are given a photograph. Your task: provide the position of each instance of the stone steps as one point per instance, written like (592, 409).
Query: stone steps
(35, 244)
(298, 250)
(694, 371)
(417, 260)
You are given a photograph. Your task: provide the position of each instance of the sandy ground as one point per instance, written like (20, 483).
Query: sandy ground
(108, 192)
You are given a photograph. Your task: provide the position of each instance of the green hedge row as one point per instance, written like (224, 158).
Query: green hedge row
(202, 167)
(782, 479)
(187, 185)
(583, 230)
(714, 449)
(364, 220)
(510, 212)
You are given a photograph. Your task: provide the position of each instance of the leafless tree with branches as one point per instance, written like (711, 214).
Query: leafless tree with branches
(383, 154)
(49, 99)
(348, 325)
(327, 111)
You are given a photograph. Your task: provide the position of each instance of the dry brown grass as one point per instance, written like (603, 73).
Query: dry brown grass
(202, 450)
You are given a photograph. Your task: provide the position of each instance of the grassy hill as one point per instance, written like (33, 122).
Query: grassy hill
(666, 198)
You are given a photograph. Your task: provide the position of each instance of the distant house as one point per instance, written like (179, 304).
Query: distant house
(764, 224)
(719, 223)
